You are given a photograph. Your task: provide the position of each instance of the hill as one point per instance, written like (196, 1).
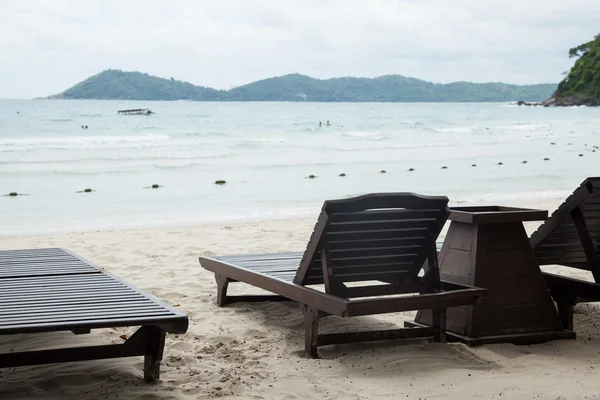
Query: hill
(582, 84)
(121, 85)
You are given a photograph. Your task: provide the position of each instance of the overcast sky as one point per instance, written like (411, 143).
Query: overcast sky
(48, 46)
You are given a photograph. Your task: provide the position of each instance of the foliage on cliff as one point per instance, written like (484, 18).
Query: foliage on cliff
(583, 80)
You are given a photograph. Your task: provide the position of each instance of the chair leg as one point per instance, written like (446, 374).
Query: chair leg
(565, 312)
(222, 283)
(311, 330)
(439, 324)
(154, 353)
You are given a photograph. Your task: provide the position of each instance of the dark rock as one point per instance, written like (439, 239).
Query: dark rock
(525, 103)
(569, 101)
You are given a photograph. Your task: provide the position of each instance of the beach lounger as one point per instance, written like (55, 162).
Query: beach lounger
(46, 290)
(365, 251)
(571, 237)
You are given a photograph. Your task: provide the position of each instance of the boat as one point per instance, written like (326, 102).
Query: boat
(136, 111)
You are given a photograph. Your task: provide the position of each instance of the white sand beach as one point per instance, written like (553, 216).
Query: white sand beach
(254, 351)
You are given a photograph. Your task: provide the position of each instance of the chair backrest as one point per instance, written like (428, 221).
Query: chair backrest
(571, 235)
(381, 237)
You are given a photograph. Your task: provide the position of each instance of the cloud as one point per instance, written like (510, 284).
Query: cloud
(49, 45)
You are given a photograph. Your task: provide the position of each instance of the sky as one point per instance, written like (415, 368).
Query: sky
(47, 46)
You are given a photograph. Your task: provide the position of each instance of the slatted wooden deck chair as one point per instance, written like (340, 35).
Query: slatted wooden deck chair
(365, 251)
(47, 290)
(571, 237)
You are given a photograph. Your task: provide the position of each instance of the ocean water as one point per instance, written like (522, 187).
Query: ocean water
(266, 151)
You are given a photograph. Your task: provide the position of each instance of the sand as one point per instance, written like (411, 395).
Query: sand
(254, 351)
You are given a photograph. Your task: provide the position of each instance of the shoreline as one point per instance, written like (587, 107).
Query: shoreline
(308, 213)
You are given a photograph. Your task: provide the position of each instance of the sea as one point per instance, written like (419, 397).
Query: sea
(474, 153)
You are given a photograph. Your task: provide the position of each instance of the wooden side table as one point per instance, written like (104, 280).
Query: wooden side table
(488, 247)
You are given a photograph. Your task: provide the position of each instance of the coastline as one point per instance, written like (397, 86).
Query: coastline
(249, 351)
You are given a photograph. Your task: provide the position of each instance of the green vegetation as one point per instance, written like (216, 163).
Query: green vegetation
(582, 85)
(120, 85)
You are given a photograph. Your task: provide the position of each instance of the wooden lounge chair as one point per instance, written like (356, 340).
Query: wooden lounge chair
(46, 290)
(571, 237)
(380, 241)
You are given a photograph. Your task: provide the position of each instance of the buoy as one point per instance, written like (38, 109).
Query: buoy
(382, 171)
(311, 177)
(552, 143)
(87, 190)
(500, 163)
(155, 186)
(444, 167)
(342, 174)
(546, 159)
(13, 194)
(220, 182)
(524, 162)
(570, 144)
(411, 169)
(581, 155)
(473, 165)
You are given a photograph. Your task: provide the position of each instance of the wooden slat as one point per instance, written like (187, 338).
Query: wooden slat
(560, 260)
(392, 267)
(561, 215)
(376, 235)
(372, 276)
(364, 262)
(262, 257)
(374, 251)
(558, 253)
(385, 201)
(377, 215)
(313, 247)
(375, 243)
(61, 291)
(42, 262)
(380, 225)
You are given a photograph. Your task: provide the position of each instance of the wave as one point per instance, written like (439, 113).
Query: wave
(495, 198)
(61, 119)
(460, 129)
(366, 135)
(36, 141)
(88, 159)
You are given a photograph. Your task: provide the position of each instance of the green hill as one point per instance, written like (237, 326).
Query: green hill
(582, 84)
(120, 85)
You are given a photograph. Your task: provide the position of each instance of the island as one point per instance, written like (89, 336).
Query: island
(581, 86)
(123, 85)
